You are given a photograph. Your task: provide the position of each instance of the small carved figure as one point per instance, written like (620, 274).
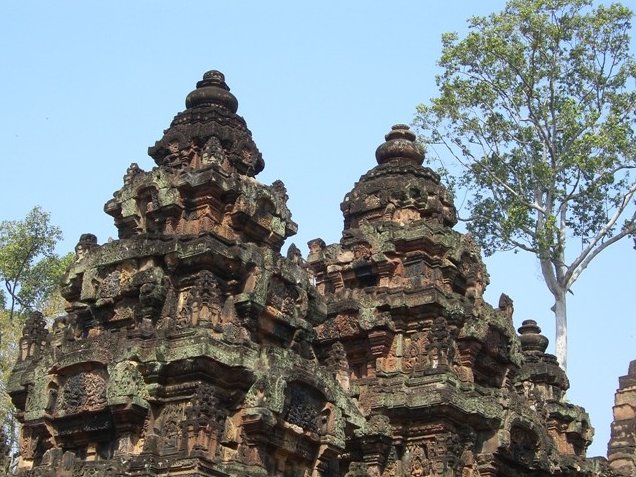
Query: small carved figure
(132, 173)
(294, 254)
(86, 243)
(213, 152)
(279, 189)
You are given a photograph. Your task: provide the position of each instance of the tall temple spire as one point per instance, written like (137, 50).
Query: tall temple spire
(209, 133)
(399, 189)
(199, 185)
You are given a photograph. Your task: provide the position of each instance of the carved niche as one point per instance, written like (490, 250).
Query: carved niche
(204, 420)
(170, 427)
(303, 406)
(418, 463)
(282, 296)
(201, 304)
(440, 347)
(524, 445)
(32, 445)
(414, 345)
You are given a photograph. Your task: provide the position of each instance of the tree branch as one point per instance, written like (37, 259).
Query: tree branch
(583, 259)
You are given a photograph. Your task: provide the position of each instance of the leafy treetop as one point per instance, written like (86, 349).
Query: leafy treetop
(538, 103)
(29, 267)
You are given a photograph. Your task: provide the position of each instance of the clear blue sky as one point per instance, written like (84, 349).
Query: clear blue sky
(86, 87)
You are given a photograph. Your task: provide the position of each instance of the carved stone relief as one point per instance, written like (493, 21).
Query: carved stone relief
(85, 390)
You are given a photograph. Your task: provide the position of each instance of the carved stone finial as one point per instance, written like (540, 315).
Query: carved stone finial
(293, 253)
(506, 305)
(400, 145)
(34, 335)
(132, 172)
(212, 90)
(278, 188)
(316, 245)
(85, 243)
(532, 341)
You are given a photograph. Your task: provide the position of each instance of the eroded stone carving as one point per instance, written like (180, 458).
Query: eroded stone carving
(85, 390)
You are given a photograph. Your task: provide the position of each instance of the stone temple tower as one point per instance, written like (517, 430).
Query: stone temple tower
(192, 347)
(621, 450)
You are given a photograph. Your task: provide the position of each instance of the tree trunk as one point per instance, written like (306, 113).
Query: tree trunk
(560, 315)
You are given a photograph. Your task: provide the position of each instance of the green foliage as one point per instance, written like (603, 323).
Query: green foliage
(11, 331)
(29, 267)
(538, 103)
(31, 272)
